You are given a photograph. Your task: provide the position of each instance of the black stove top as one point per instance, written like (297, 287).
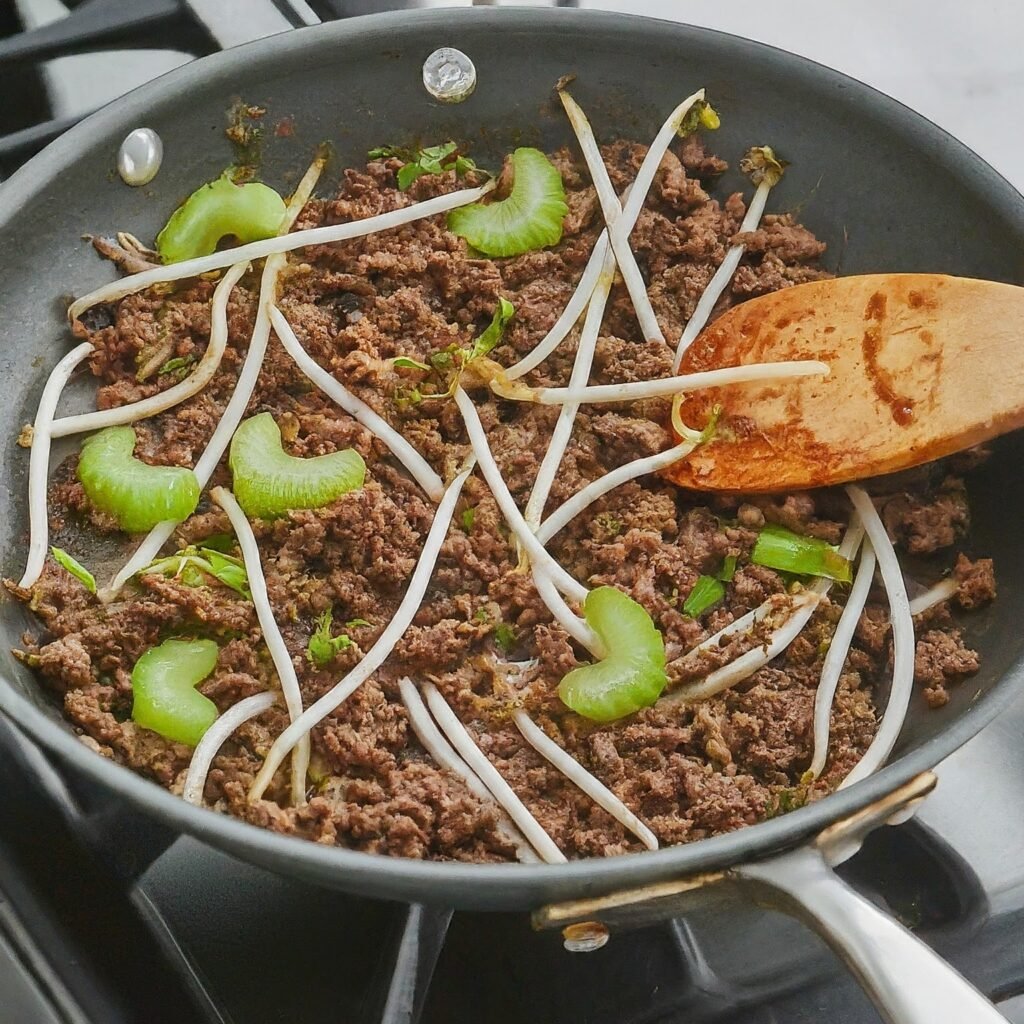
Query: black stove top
(206, 938)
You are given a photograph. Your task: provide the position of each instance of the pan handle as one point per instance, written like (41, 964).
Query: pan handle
(905, 979)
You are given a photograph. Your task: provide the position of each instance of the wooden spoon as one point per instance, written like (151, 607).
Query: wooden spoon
(922, 365)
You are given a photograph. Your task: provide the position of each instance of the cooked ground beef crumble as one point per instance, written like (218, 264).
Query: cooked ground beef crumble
(688, 771)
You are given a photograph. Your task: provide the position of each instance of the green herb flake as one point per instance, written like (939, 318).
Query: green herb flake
(322, 646)
(179, 365)
(356, 623)
(468, 518)
(504, 636)
(407, 363)
(73, 566)
(429, 160)
(492, 335)
(706, 593)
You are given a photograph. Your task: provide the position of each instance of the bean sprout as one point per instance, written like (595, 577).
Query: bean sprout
(279, 244)
(612, 210)
(271, 634)
(567, 414)
(438, 747)
(902, 641)
(572, 312)
(378, 653)
(586, 496)
(491, 777)
(216, 736)
(191, 385)
(417, 466)
(579, 776)
(835, 659)
(722, 276)
(942, 591)
(516, 523)
(39, 461)
(665, 386)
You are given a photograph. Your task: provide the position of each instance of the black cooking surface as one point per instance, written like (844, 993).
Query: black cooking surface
(207, 938)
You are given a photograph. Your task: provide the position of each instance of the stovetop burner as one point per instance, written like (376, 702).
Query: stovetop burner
(234, 943)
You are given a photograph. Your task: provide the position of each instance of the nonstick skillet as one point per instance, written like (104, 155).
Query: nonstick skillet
(887, 190)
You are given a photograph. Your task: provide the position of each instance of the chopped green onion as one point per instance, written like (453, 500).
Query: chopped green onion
(268, 481)
(215, 210)
(405, 363)
(707, 591)
(632, 676)
(164, 683)
(492, 335)
(322, 646)
(73, 566)
(779, 548)
(504, 636)
(137, 495)
(728, 570)
(529, 218)
(356, 623)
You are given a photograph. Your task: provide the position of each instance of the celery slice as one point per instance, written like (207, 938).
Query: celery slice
(164, 683)
(215, 210)
(632, 676)
(529, 218)
(268, 481)
(137, 495)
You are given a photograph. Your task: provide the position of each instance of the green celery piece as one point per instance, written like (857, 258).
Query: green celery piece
(529, 218)
(632, 676)
(73, 566)
(138, 496)
(492, 334)
(779, 548)
(217, 209)
(706, 593)
(268, 481)
(164, 683)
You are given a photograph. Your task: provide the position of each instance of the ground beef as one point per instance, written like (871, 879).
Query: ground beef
(689, 770)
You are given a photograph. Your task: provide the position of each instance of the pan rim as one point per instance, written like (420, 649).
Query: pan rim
(505, 885)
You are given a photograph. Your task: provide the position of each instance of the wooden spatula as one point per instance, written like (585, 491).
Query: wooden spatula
(922, 365)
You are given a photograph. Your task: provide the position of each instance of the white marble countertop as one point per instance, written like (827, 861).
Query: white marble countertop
(961, 65)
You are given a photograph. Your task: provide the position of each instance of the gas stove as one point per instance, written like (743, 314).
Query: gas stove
(202, 937)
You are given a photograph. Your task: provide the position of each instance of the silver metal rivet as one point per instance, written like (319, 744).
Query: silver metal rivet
(585, 937)
(449, 75)
(140, 156)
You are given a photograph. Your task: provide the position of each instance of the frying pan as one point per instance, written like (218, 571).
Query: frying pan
(883, 187)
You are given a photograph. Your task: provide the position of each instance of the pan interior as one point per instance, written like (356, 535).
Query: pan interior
(885, 189)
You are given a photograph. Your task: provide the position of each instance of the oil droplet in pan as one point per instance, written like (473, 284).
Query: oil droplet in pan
(140, 156)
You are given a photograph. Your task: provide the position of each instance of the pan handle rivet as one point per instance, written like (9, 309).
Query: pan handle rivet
(449, 75)
(585, 936)
(140, 156)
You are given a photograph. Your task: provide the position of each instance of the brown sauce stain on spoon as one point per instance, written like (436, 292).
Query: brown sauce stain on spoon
(901, 406)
